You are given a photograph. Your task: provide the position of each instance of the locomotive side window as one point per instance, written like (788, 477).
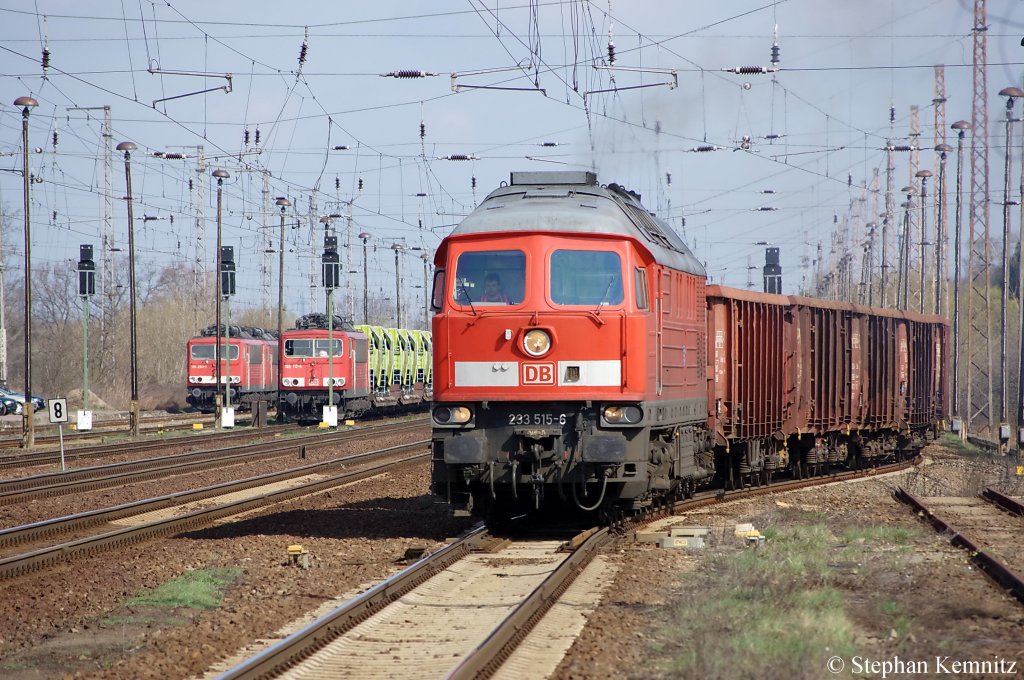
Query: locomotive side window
(493, 277)
(255, 355)
(298, 348)
(200, 352)
(640, 284)
(437, 293)
(586, 277)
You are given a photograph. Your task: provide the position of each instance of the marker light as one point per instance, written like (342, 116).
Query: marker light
(622, 414)
(452, 415)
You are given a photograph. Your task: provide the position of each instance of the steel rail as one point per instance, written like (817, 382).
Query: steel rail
(106, 428)
(1003, 502)
(486, 658)
(995, 569)
(500, 643)
(51, 527)
(304, 642)
(100, 450)
(117, 474)
(17, 565)
(47, 457)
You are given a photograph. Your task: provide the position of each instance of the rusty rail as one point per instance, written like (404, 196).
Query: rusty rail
(21, 564)
(1004, 502)
(30, 458)
(996, 570)
(116, 474)
(273, 660)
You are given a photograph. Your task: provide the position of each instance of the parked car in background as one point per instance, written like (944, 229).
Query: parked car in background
(37, 402)
(9, 406)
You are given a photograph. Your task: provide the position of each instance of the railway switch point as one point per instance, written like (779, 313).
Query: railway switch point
(298, 556)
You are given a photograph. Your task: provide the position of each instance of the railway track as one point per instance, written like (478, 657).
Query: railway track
(462, 611)
(86, 452)
(167, 523)
(988, 526)
(22, 489)
(34, 458)
(104, 428)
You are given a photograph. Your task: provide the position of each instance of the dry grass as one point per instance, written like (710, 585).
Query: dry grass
(777, 611)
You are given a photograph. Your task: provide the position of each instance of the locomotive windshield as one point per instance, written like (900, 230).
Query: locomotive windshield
(586, 277)
(493, 277)
(201, 352)
(304, 347)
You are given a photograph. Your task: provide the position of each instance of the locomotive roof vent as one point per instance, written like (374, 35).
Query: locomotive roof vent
(547, 177)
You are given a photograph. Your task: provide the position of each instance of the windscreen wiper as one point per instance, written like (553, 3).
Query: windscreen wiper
(465, 291)
(604, 298)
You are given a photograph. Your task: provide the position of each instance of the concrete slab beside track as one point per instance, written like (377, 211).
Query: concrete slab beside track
(428, 631)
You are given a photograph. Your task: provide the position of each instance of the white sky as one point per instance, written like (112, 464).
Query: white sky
(843, 64)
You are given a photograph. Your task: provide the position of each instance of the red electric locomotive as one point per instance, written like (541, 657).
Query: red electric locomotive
(248, 364)
(313, 357)
(576, 361)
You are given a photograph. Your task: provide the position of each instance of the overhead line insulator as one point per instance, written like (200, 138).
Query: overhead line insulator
(750, 70)
(407, 73)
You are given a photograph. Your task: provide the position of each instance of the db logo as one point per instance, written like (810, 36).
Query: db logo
(538, 374)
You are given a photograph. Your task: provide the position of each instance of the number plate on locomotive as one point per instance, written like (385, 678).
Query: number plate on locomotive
(538, 419)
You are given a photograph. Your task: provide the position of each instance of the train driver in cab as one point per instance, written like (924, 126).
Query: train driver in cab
(492, 290)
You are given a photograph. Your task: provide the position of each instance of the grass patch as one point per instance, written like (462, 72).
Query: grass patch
(759, 609)
(118, 621)
(880, 533)
(952, 442)
(893, 612)
(200, 589)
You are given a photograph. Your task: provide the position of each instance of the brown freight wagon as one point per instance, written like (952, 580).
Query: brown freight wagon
(796, 382)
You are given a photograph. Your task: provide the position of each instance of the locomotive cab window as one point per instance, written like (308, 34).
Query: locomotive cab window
(493, 277)
(586, 277)
(200, 352)
(298, 348)
(323, 348)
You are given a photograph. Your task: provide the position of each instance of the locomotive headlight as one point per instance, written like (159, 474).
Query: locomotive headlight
(622, 414)
(536, 342)
(452, 415)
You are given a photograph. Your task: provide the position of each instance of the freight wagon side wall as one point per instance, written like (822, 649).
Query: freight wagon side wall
(751, 372)
(782, 365)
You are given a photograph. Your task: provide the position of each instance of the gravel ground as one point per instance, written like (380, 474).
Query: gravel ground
(57, 506)
(953, 610)
(74, 619)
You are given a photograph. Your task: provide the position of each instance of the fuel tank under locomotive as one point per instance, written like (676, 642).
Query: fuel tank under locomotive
(521, 454)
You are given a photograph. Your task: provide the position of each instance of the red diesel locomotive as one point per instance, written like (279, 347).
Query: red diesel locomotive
(576, 361)
(252, 364)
